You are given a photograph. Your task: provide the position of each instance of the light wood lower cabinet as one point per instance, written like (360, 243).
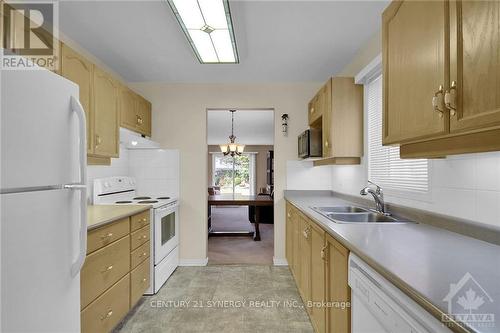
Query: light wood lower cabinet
(103, 268)
(116, 272)
(318, 278)
(305, 258)
(139, 281)
(107, 234)
(338, 292)
(107, 310)
(319, 265)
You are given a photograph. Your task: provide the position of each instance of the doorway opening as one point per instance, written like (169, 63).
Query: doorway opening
(240, 186)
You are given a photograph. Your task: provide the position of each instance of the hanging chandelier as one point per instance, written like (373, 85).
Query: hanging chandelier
(232, 148)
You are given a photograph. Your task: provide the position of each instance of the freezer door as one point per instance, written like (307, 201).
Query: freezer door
(39, 245)
(39, 130)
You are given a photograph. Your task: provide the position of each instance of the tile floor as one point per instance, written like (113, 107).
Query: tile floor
(265, 300)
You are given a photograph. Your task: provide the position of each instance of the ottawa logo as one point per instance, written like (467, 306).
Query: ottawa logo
(469, 304)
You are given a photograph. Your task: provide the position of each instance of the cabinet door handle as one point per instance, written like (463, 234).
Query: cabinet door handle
(323, 253)
(143, 280)
(289, 215)
(450, 98)
(107, 269)
(107, 236)
(311, 110)
(98, 140)
(437, 101)
(107, 315)
(326, 143)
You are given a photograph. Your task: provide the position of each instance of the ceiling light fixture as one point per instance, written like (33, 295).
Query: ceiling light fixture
(208, 27)
(232, 148)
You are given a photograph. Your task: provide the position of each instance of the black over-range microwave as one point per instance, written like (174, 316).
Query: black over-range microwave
(310, 143)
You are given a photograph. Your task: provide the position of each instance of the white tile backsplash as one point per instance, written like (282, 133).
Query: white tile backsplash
(465, 186)
(301, 175)
(156, 170)
(119, 167)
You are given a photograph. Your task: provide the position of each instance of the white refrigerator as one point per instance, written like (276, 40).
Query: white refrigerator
(43, 202)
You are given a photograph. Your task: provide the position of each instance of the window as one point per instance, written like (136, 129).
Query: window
(384, 165)
(234, 175)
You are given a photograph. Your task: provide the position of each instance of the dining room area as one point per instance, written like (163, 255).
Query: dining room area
(240, 180)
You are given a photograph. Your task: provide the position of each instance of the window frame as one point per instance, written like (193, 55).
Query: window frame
(366, 76)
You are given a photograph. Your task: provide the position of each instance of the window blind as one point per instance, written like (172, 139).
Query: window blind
(384, 165)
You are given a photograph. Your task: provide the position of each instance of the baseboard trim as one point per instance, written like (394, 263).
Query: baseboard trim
(280, 262)
(193, 262)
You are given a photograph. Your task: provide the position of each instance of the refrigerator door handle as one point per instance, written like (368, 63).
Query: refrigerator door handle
(82, 233)
(82, 128)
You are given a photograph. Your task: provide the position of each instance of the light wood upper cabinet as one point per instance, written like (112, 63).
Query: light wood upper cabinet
(340, 121)
(135, 112)
(442, 77)
(414, 69)
(106, 137)
(76, 68)
(128, 106)
(475, 64)
(144, 116)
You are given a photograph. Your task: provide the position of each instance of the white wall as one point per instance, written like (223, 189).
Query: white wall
(180, 121)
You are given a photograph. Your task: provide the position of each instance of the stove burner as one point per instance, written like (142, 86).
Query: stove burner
(147, 201)
(123, 202)
(142, 198)
(163, 198)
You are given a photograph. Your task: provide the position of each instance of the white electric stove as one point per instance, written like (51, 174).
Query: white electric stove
(164, 223)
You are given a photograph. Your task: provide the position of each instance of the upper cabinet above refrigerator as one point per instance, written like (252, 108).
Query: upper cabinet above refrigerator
(441, 74)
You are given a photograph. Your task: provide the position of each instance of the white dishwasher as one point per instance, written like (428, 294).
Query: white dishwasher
(377, 306)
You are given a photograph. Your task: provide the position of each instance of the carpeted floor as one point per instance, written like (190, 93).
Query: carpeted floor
(239, 250)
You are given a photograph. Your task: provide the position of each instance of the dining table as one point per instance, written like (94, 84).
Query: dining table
(258, 201)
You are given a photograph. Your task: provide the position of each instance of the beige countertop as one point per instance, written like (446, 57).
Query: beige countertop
(421, 260)
(99, 215)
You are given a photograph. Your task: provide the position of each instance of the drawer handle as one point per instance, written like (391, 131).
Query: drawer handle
(107, 269)
(141, 237)
(144, 220)
(109, 314)
(144, 254)
(143, 280)
(107, 236)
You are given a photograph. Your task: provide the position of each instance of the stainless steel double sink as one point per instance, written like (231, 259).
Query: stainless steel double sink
(352, 214)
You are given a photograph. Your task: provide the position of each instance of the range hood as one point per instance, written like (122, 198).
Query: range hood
(132, 140)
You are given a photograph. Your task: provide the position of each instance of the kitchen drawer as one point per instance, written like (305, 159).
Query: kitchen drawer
(103, 268)
(139, 254)
(139, 237)
(107, 234)
(107, 311)
(139, 221)
(139, 281)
